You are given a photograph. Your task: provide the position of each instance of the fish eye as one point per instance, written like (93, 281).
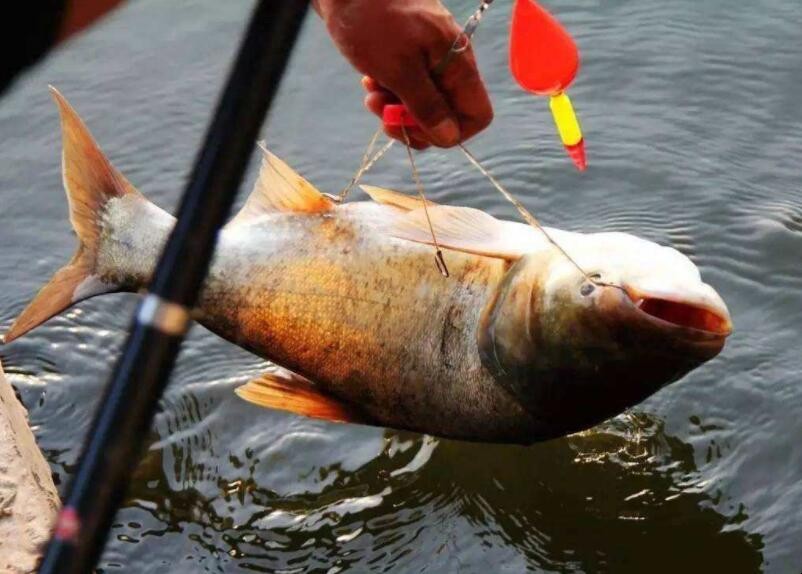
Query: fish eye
(587, 289)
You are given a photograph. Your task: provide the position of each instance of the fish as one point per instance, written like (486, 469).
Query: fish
(522, 342)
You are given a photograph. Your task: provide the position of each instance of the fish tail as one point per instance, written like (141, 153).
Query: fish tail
(90, 182)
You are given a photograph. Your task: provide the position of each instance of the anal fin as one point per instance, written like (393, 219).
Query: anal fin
(286, 391)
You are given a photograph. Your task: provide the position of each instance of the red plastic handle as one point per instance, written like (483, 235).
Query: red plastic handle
(396, 115)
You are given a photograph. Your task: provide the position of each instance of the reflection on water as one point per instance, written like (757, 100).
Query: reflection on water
(627, 483)
(691, 115)
(563, 506)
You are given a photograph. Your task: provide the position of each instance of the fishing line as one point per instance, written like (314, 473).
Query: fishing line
(462, 41)
(367, 163)
(438, 253)
(525, 213)
(532, 221)
(363, 166)
(528, 217)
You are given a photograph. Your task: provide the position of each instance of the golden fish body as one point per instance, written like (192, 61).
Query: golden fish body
(365, 316)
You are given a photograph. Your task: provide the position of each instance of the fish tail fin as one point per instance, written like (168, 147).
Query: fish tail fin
(90, 182)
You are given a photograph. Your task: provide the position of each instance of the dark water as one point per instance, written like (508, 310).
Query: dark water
(692, 117)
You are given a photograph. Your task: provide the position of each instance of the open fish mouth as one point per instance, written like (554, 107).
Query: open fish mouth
(704, 313)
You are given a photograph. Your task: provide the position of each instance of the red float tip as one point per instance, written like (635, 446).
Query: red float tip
(577, 154)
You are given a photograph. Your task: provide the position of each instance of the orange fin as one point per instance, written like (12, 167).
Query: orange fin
(394, 198)
(90, 181)
(286, 391)
(280, 189)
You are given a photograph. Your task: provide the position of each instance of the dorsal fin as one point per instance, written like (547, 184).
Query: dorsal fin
(394, 198)
(280, 189)
(469, 230)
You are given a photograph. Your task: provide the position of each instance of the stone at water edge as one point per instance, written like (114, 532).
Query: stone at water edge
(28, 498)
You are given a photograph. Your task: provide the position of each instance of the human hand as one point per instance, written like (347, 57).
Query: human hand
(397, 44)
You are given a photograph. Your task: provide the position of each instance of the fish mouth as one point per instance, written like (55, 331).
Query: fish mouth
(703, 314)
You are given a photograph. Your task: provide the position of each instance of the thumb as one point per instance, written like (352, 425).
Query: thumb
(429, 107)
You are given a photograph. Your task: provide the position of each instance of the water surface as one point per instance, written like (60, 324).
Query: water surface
(692, 118)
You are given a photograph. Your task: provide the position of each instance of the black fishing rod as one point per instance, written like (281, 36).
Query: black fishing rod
(115, 438)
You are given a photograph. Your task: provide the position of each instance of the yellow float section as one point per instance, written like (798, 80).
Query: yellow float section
(565, 118)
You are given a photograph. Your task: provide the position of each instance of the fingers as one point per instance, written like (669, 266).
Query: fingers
(428, 106)
(398, 44)
(449, 109)
(466, 93)
(375, 100)
(417, 138)
(370, 84)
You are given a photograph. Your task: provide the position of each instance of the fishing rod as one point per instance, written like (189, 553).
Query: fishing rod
(116, 435)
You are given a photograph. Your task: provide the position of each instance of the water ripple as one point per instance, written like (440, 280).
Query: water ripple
(691, 115)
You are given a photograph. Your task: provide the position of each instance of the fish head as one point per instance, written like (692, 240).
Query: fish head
(576, 347)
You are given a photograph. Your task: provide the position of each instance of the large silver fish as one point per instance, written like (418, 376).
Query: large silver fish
(515, 346)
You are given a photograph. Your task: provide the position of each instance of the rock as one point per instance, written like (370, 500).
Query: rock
(28, 498)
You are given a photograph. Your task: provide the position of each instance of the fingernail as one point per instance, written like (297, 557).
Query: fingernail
(446, 133)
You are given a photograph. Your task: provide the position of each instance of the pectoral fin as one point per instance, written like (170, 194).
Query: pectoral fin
(468, 230)
(286, 391)
(394, 198)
